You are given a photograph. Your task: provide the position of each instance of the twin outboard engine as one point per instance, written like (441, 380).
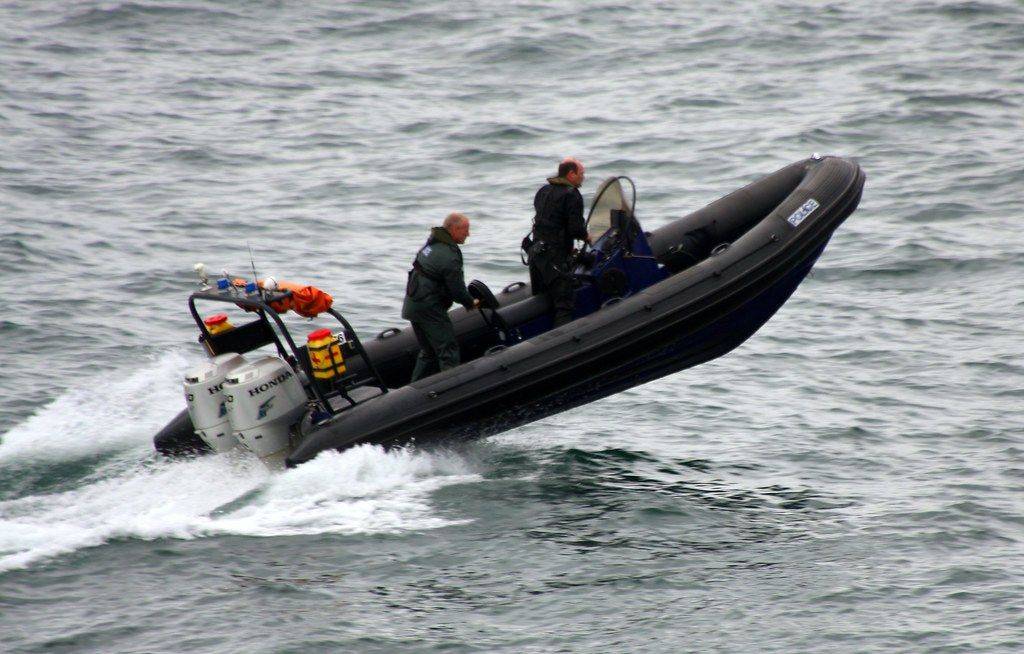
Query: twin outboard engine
(206, 406)
(264, 399)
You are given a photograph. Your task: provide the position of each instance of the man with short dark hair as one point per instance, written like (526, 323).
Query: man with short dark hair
(435, 282)
(558, 222)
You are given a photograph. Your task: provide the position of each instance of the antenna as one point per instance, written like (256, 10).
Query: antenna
(252, 262)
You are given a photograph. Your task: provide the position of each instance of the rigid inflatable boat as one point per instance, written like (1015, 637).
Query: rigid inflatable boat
(648, 304)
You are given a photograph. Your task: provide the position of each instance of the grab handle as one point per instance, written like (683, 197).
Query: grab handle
(389, 332)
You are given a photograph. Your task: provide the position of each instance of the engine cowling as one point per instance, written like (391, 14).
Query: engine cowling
(205, 399)
(264, 399)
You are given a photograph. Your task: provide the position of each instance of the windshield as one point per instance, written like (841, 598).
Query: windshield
(609, 196)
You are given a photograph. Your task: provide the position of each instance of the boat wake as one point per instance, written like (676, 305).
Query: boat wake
(109, 413)
(78, 475)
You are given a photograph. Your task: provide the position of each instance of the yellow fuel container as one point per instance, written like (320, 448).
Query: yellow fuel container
(325, 354)
(217, 323)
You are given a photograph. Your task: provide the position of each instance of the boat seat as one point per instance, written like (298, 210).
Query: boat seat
(692, 248)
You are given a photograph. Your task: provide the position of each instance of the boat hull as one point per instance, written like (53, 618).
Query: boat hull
(751, 249)
(692, 317)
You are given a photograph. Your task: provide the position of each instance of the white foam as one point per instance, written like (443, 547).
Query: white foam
(136, 495)
(115, 410)
(357, 491)
(363, 490)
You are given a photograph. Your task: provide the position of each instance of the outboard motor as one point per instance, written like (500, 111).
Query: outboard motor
(205, 398)
(264, 399)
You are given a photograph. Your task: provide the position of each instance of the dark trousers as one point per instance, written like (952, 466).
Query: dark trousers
(438, 348)
(550, 274)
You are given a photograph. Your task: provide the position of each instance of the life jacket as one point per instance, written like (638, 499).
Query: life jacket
(426, 277)
(307, 301)
(554, 221)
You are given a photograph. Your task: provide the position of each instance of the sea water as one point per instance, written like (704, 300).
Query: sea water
(848, 480)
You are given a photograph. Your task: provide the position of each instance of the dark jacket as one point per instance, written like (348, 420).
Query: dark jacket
(559, 217)
(436, 280)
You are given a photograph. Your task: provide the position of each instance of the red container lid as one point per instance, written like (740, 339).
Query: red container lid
(215, 319)
(318, 334)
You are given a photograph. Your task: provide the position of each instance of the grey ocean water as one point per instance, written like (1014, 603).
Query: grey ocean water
(848, 480)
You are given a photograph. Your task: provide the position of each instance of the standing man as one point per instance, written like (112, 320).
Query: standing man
(435, 282)
(557, 223)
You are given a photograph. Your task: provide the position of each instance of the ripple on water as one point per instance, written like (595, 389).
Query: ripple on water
(854, 463)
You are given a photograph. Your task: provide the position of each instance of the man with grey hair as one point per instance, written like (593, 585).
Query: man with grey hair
(435, 282)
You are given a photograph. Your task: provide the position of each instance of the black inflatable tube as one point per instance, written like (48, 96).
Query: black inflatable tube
(761, 252)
